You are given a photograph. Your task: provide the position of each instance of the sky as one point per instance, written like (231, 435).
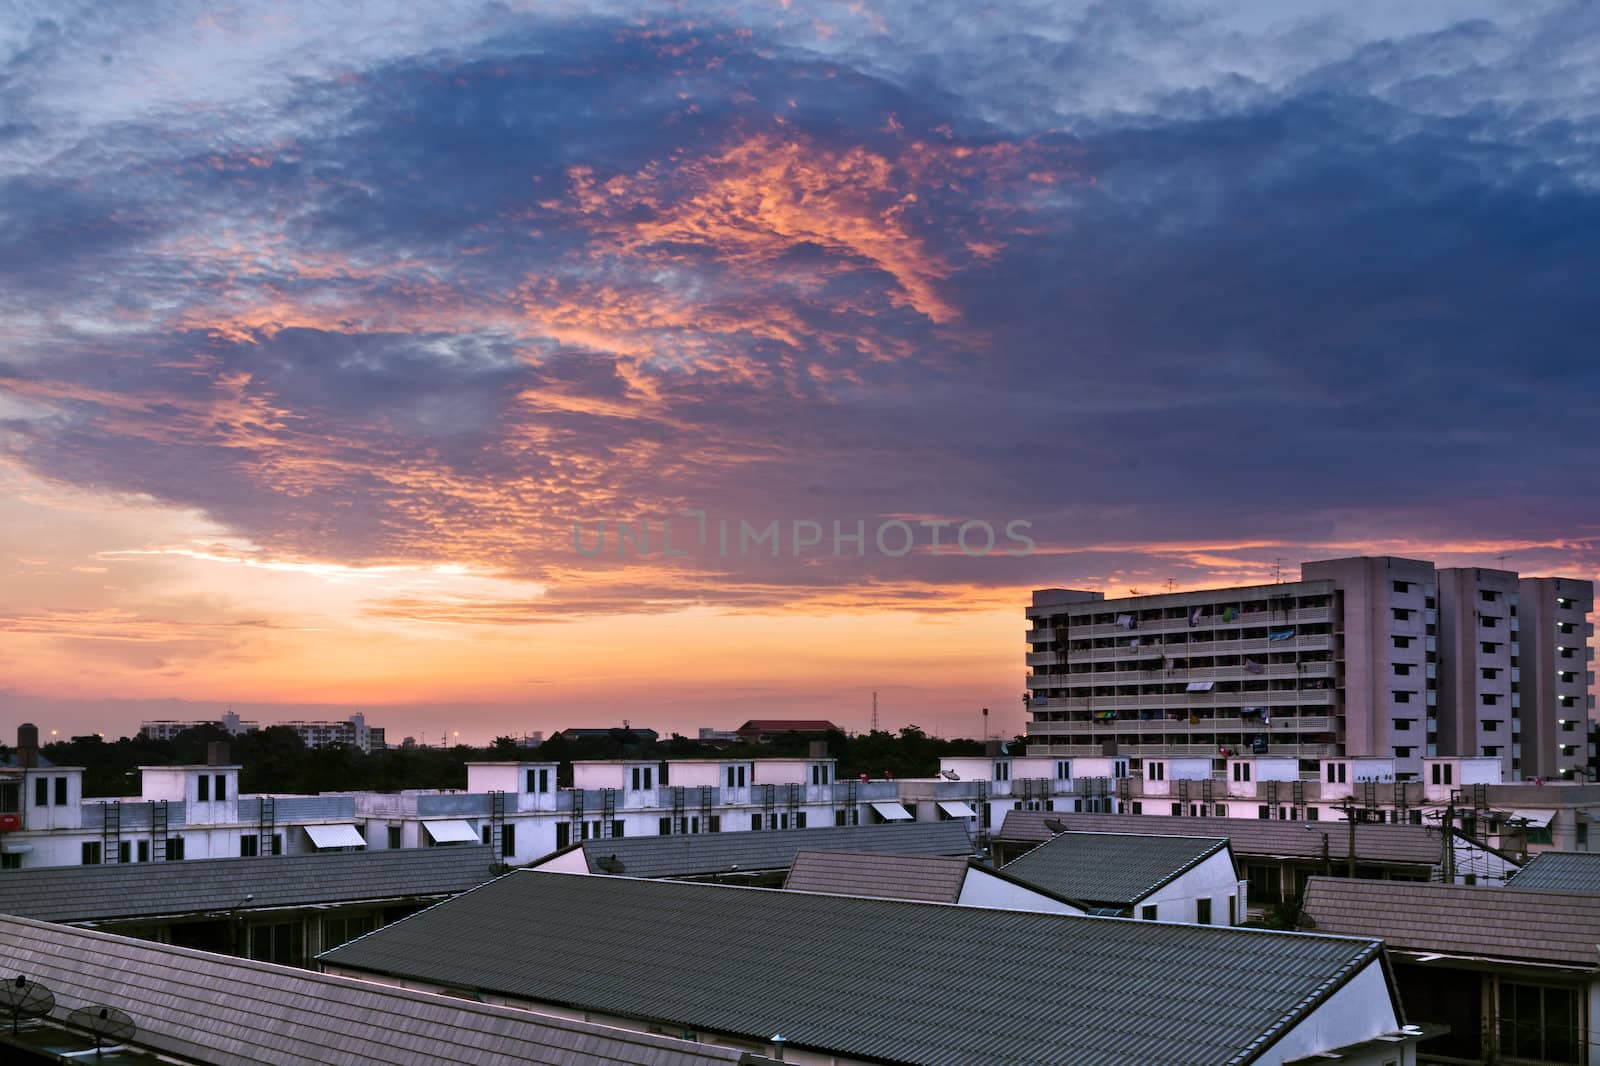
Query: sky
(337, 345)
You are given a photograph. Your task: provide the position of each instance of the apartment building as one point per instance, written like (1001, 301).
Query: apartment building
(1367, 657)
(353, 731)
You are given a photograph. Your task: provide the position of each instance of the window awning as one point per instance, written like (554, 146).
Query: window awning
(893, 812)
(1199, 686)
(15, 848)
(1536, 819)
(335, 836)
(957, 809)
(452, 832)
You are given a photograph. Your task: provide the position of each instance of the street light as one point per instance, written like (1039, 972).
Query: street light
(1327, 863)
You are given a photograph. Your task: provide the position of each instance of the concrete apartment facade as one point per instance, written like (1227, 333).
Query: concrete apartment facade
(1380, 657)
(353, 731)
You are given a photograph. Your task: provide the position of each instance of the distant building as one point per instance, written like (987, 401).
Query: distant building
(167, 729)
(1368, 657)
(353, 731)
(759, 729)
(636, 736)
(708, 733)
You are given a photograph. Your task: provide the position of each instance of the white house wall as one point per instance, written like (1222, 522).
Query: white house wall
(981, 889)
(1360, 1010)
(1213, 879)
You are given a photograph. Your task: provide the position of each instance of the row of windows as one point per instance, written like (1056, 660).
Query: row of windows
(205, 790)
(131, 851)
(42, 791)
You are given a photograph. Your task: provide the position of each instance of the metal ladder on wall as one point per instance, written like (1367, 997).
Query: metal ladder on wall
(497, 822)
(850, 799)
(769, 805)
(110, 830)
(792, 805)
(158, 830)
(266, 825)
(679, 819)
(705, 808)
(608, 811)
(575, 816)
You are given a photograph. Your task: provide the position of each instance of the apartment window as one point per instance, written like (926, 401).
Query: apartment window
(174, 849)
(1491, 750)
(741, 776)
(1402, 724)
(800, 819)
(661, 775)
(222, 787)
(1402, 669)
(1489, 699)
(1202, 911)
(1177, 810)
(10, 862)
(715, 825)
(1312, 814)
(1488, 647)
(783, 821)
(619, 828)
(1490, 672)
(1491, 725)
(277, 843)
(1402, 586)
(838, 818)
(1486, 595)
(124, 851)
(91, 853)
(508, 841)
(1158, 771)
(1488, 621)
(10, 797)
(1064, 771)
(665, 827)
(41, 792)
(730, 777)
(755, 822)
(336, 931)
(1233, 915)
(1148, 913)
(1566, 653)
(1401, 614)
(563, 835)
(1264, 812)
(1241, 771)
(1402, 753)
(1540, 1022)
(1220, 810)
(204, 794)
(1442, 774)
(144, 851)
(1566, 725)
(1401, 642)
(61, 792)
(278, 942)
(486, 832)
(1002, 771)
(816, 775)
(249, 846)
(1402, 696)
(1336, 773)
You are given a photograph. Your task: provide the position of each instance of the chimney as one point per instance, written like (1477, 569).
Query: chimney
(27, 745)
(819, 749)
(217, 753)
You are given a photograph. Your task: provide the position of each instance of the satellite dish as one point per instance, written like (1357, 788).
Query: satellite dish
(1055, 825)
(949, 775)
(610, 864)
(22, 998)
(106, 1023)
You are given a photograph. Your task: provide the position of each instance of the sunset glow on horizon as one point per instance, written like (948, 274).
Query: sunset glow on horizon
(331, 340)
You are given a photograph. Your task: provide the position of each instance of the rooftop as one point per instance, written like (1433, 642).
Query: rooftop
(931, 878)
(217, 1009)
(1118, 868)
(700, 854)
(886, 980)
(1471, 921)
(1561, 871)
(1413, 845)
(150, 889)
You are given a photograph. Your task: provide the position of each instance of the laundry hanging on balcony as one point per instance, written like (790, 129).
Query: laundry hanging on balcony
(1127, 621)
(1252, 667)
(1199, 686)
(1280, 634)
(1251, 712)
(1195, 616)
(1105, 716)
(1229, 614)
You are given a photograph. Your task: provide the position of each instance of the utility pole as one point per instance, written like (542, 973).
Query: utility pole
(1447, 860)
(1327, 861)
(1349, 809)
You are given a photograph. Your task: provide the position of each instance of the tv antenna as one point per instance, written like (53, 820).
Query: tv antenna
(1277, 570)
(874, 712)
(106, 1023)
(22, 998)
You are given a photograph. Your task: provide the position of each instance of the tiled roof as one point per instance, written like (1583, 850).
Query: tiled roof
(701, 854)
(1473, 920)
(1413, 845)
(147, 889)
(1561, 871)
(218, 1009)
(784, 725)
(933, 879)
(1120, 868)
(886, 980)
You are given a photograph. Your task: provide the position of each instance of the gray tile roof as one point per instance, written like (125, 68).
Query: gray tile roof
(702, 854)
(880, 979)
(1412, 845)
(1561, 871)
(931, 878)
(1472, 920)
(148, 889)
(217, 1009)
(1111, 868)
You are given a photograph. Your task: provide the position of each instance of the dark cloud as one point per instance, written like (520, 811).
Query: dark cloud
(446, 303)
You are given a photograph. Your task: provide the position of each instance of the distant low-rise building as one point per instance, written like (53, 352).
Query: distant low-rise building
(758, 730)
(352, 732)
